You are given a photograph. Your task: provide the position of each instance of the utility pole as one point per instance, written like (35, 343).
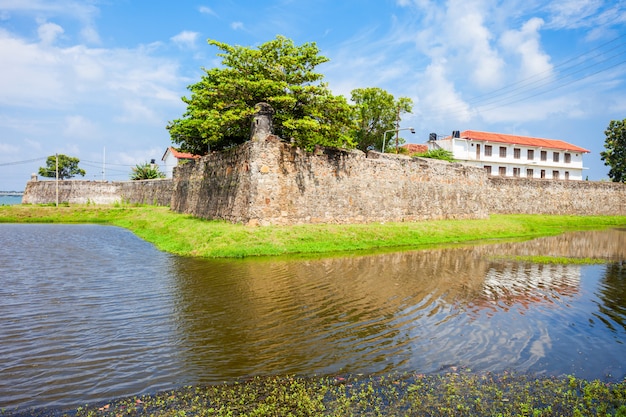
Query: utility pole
(397, 128)
(57, 179)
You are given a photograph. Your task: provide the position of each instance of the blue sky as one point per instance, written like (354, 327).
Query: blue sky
(100, 79)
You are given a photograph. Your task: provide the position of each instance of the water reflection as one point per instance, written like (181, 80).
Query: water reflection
(104, 314)
(424, 310)
(612, 299)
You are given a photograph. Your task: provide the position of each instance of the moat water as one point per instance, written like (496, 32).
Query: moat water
(90, 313)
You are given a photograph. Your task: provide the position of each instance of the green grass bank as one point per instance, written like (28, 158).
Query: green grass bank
(189, 236)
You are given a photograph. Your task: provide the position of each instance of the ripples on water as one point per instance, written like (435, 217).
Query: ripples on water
(91, 312)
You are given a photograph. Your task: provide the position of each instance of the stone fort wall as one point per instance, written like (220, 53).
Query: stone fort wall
(267, 181)
(156, 192)
(270, 182)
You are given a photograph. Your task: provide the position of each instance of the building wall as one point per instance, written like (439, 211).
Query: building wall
(156, 192)
(465, 152)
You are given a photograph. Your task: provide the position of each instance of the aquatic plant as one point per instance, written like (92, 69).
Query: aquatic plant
(459, 393)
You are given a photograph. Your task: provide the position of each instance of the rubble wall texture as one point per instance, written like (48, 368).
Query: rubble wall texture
(154, 192)
(267, 181)
(533, 196)
(270, 182)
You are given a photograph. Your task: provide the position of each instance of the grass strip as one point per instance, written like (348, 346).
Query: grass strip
(452, 394)
(185, 235)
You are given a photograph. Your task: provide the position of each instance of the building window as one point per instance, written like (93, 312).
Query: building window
(555, 156)
(567, 175)
(544, 155)
(530, 154)
(502, 152)
(543, 173)
(502, 171)
(487, 167)
(487, 150)
(567, 157)
(517, 153)
(529, 173)
(516, 172)
(555, 175)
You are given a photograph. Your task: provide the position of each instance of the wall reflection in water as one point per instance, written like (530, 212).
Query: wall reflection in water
(422, 311)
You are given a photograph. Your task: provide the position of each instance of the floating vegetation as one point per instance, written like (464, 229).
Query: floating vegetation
(460, 393)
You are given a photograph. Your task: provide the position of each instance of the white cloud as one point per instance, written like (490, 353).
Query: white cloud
(531, 110)
(207, 10)
(31, 74)
(7, 148)
(49, 32)
(471, 40)
(83, 12)
(570, 14)
(135, 111)
(526, 44)
(237, 25)
(438, 96)
(44, 76)
(186, 39)
(79, 127)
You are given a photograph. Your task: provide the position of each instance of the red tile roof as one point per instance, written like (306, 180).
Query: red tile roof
(415, 148)
(181, 155)
(521, 140)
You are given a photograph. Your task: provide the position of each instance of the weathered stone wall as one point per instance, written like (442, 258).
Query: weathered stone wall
(266, 181)
(157, 192)
(270, 182)
(533, 196)
(216, 186)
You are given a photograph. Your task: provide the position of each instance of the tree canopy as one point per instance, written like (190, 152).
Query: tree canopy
(278, 72)
(376, 111)
(67, 166)
(614, 155)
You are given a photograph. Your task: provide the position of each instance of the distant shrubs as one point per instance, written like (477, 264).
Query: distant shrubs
(436, 154)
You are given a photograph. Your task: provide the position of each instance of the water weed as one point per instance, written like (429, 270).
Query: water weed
(452, 394)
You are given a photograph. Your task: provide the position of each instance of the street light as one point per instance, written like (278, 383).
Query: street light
(394, 130)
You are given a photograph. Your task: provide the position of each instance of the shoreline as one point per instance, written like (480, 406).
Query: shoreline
(184, 235)
(456, 393)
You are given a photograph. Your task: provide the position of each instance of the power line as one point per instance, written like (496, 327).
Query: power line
(543, 82)
(22, 162)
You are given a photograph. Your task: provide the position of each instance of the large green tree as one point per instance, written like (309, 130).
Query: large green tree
(278, 72)
(614, 155)
(67, 167)
(377, 111)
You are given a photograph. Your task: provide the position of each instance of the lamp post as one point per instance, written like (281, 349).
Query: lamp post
(394, 130)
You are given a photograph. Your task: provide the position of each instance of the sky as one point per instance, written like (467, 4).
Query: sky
(100, 79)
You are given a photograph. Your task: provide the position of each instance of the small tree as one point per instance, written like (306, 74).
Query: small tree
(67, 167)
(615, 154)
(146, 171)
(376, 111)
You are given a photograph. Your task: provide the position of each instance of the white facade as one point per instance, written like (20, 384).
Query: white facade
(522, 157)
(173, 157)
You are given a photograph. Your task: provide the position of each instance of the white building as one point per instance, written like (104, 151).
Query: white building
(515, 156)
(173, 157)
